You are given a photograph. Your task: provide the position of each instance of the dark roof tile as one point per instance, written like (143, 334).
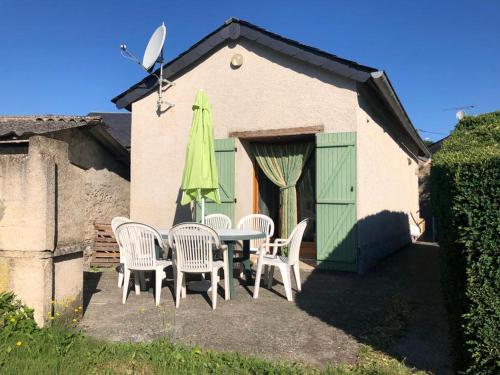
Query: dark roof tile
(118, 125)
(27, 125)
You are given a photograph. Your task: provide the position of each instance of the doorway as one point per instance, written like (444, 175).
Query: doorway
(267, 200)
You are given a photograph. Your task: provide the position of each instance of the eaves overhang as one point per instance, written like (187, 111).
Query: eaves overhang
(231, 31)
(388, 94)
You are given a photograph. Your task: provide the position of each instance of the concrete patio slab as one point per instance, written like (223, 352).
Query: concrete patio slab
(396, 308)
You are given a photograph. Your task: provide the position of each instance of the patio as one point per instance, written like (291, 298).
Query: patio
(396, 308)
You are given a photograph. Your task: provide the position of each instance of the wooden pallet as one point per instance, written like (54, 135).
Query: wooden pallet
(105, 251)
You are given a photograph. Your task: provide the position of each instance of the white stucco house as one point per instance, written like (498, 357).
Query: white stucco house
(360, 182)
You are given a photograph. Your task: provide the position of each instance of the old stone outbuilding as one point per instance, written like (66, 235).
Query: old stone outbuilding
(58, 174)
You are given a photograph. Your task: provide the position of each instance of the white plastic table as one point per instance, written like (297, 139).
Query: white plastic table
(229, 236)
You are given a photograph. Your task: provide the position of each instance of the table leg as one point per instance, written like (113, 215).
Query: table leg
(230, 255)
(246, 261)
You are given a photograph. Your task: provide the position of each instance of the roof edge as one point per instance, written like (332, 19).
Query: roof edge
(382, 82)
(234, 29)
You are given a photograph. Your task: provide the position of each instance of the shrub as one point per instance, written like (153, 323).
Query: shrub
(465, 187)
(14, 316)
(469, 122)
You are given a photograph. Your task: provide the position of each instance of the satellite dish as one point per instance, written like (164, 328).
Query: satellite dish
(154, 48)
(153, 54)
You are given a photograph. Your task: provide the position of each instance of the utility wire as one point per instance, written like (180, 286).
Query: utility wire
(426, 131)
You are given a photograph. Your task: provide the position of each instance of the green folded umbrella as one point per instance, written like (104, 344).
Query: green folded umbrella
(200, 180)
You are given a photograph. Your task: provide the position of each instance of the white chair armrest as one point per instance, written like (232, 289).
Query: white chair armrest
(278, 242)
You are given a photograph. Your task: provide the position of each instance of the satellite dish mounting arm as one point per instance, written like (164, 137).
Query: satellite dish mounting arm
(161, 82)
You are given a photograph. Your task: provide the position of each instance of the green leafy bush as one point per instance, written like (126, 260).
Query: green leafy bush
(469, 122)
(465, 191)
(14, 316)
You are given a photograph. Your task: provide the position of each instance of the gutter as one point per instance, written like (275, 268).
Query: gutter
(382, 83)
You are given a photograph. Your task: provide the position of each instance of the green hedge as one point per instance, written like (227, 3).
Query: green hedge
(470, 122)
(465, 192)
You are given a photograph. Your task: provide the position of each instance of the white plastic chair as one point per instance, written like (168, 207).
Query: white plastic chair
(139, 254)
(284, 263)
(218, 221)
(115, 222)
(415, 232)
(193, 246)
(259, 222)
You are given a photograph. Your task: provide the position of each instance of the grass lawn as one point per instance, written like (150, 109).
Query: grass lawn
(57, 350)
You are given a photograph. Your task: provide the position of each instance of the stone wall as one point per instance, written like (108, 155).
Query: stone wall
(106, 186)
(47, 209)
(27, 227)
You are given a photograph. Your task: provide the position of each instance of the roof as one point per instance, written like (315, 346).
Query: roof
(436, 146)
(117, 124)
(235, 29)
(232, 30)
(28, 125)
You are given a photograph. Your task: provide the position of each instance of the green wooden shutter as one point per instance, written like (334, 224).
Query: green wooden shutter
(336, 201)
(225, 157)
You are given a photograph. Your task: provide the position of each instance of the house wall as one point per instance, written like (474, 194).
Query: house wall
(387, 173)
(269, 91)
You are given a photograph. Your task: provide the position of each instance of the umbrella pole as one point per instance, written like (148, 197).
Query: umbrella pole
(203, 210)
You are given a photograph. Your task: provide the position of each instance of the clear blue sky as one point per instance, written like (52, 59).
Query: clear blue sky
(63, 57)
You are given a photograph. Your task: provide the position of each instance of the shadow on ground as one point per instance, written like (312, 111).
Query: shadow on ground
(91, 280)
(396, 307)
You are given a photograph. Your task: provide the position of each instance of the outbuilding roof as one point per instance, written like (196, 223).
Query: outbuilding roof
(25, 126)
(117, 124)
(21, 126)
(234, 29)
(436, 146)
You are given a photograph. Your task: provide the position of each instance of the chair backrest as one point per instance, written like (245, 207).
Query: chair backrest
(218, 221)
(259, 222)
(192, 244)
(137, 244)
(117, 221)
(295, 242)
